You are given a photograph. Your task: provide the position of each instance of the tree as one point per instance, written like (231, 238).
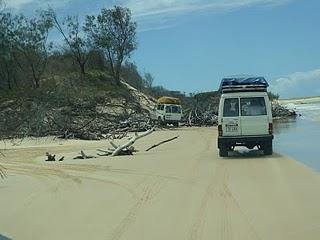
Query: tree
(131, 75)
(6, 58)
(273, 96)
(114, 32)
(74, 38)
(30, 50)
(148, 80)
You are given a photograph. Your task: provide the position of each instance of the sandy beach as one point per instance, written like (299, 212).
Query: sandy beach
(180, 190)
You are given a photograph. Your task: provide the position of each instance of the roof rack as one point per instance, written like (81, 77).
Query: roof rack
(243, 84)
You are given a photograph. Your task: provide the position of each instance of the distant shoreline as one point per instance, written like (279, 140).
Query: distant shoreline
(297, 98)
(303, 100)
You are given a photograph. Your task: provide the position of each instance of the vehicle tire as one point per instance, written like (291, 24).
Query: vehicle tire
(160, 122)
(176, 124)
(223, 151)
(267, 148)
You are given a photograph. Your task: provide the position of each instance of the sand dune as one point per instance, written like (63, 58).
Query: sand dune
(181, 190)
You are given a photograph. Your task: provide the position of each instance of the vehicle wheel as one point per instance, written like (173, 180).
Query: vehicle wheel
(160, 122)
(267, 148)
(176, 124)
(223, 151)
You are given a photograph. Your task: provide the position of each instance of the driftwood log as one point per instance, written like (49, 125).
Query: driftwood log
(199, 117)
(131, 142)
(112, 128)
(125, 149)
(160, 143)
(52, 158)
(104, 152)
(128, 151)
(83, 156)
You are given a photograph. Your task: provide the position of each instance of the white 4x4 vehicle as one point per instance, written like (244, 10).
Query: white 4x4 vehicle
(168, 110)
(245, 117)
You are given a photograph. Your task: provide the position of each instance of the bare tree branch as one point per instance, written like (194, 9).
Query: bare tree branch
(160, 143)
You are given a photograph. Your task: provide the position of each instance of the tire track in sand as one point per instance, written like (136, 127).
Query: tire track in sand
(150, 189)
(226, 210)
(197, 227)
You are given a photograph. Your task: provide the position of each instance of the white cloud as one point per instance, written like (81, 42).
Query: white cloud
(297, 84)
(17, 3)
(161, 13)
(144, 8)
(158, 14)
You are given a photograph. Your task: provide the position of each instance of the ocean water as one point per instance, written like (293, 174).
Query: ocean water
(300, 137)
(309, 111)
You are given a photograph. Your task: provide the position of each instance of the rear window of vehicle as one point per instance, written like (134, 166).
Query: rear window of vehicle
(231, 107)
(176, 109)
(173, 109)
(254, 106)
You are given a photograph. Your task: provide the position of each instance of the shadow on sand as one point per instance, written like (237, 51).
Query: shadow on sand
(244, 153)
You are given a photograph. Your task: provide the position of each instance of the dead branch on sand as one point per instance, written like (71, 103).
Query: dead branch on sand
(52, 158)
(131, 142)
(198, 117)
(125, 149)
(83, 156)
(128, 151)
(160, 143)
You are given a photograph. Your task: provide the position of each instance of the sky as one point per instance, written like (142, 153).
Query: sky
(190, 45)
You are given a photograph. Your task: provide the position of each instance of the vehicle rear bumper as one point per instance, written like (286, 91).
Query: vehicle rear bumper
(172, 121)
(243, 140)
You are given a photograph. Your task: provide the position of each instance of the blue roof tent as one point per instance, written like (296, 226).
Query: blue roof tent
(238, 83)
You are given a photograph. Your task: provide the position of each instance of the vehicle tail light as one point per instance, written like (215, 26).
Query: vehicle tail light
(220, 131)
(270, 128)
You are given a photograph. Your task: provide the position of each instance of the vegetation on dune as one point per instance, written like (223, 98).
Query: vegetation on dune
(273, 96)
(113, 32)
(51, 87)
(68, 103)
(109, 37)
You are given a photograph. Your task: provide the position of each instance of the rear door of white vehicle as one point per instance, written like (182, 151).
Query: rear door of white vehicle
(173, 112)
(231, 124)
(254, 116)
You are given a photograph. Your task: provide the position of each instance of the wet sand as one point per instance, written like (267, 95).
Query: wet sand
(180, 190)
